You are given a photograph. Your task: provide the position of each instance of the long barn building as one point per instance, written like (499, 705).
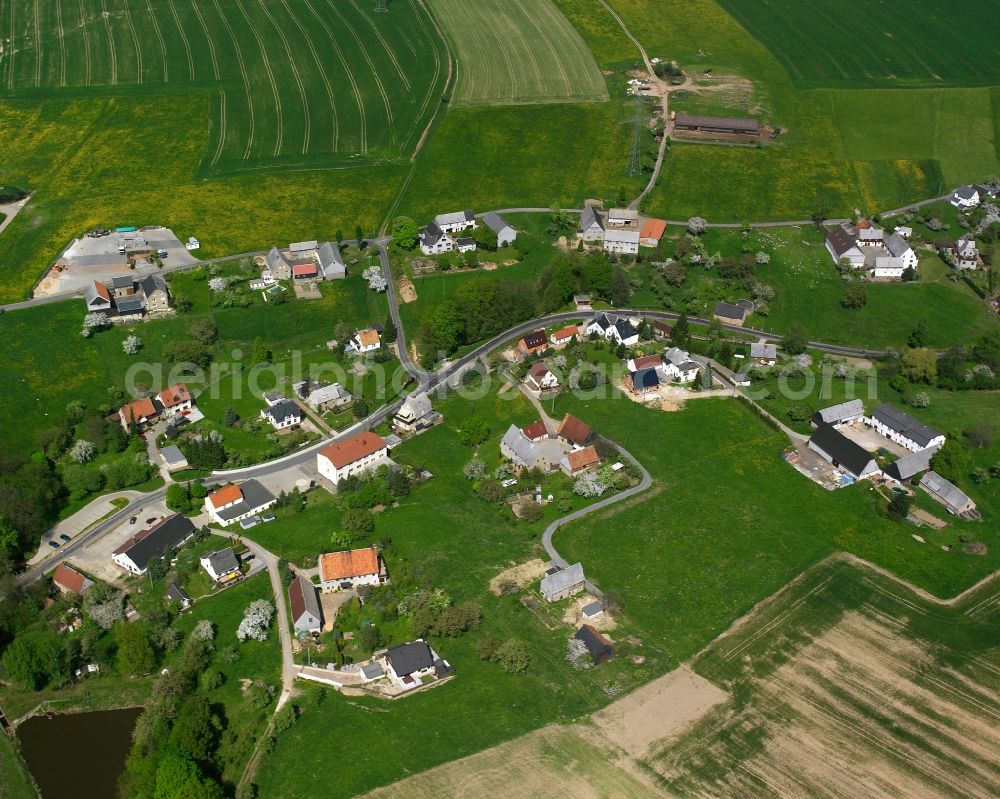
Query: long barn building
(728, 125)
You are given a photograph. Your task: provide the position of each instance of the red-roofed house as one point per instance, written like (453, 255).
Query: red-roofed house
(541, 378)
(351, 456)
(531, 343)
(535, 431)
(652, 232)
(304, 271)
(339, 570)
(176, 399)
(579, 461)
(644, 362)
(70, 581)
(141, 411)
(563, 337)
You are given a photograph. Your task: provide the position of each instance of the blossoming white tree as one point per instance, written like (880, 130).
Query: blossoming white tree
(131, 345)
(83, 451)
(256, 620)
(375, 278)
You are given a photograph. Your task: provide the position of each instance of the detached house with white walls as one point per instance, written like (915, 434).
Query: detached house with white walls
(617, 329)
(236, 502)
(897, 425)
(434, 240)
(456, 221)
(340, 571)
(351, 456)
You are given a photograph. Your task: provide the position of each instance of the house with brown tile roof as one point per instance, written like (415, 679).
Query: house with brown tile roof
(573, 431)
(579, 461)
(350, 568)
(70, 581)
(535, 431)
(141, 411)
(176, 399)
(541, 378)
(307, 615)
(564, 336)
(351, 456)
(531, 343)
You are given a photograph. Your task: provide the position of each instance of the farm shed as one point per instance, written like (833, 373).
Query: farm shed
(705, 124)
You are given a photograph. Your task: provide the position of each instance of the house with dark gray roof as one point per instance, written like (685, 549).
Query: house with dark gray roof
(408, 663)
(733, 313)
(155, 293)
(846, 456)
(614, 328)
(563, 583)
(842, 413)
(133, 305)
(282, 414)
(235, 502)
(434, 240)
(678, 365)
(956, 501)
(222, 565)
(598, 647)
(415, 412)
(456, 221)
(644, 381)
(897, 425)
(965, 197)
(506, 235)
(591, 224)
(331, 262)
(278, 265)
(307, 615)
(177, 594)
(911, 465)
(136, 554)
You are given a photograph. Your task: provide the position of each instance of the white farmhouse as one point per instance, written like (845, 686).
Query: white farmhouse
(456, 221)
(624, 242)
(234, 503)
(434, 240)
(679, 366)
(351, 456)
(349, 569)
(897, 425)
(965, 197)
(282, 415)
(613, 328)
(591, 225)
(506, 235)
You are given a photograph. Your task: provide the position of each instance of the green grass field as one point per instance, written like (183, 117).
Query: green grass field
(513, 52)
(925, 44)
(51, 344)
(16, 781)
(522, 156)
(293, 83)
(126, 160)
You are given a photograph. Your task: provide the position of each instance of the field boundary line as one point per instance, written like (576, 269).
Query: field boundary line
(135, 43)
(279, 139)
(159, 38)
(363, 148)
(86, 42)
(371, 65)
(319, 67)
(184, 38)
(62, 43)
(211, 44)
(385, 45)
(111, 43)
(298, 78)
(243, 70)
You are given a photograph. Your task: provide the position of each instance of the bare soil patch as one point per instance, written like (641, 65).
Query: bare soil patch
(659, 711)
(553, 761)
(574, 615)
(407, 291)
(520, 575)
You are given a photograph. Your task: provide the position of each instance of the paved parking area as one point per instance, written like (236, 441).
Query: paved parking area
(88, 259)
(95, 558)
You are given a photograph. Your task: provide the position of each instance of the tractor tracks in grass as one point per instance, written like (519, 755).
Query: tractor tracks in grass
(385, 45)
(135, 43)
(13, 47)
(184, 38)
(111, 43)
(363, 141)
(320, 69)
(431, 89)
(211, 44)
(280, 135)
(345, 25)
(243, 73)
(306, 120)
(159, 38)
(62, 43)
(38, 44)
(86, 43)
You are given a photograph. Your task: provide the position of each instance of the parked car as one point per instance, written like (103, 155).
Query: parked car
(64, 537)
(133, 520)
(54, 544)
(161, 253)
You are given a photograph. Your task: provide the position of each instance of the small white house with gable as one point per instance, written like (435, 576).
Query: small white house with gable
(591, 225)
(679, 366)
(456, 221)
(965, 197)
(614, 328)
(434, 240)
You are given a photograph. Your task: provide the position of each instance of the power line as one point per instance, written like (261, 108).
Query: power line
(634, 166)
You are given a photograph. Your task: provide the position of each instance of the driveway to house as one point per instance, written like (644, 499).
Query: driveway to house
(643, 484)
(550, 423)
(288, 667)
(10, 210)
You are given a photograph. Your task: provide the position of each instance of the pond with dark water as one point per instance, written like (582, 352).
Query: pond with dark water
(79, 754)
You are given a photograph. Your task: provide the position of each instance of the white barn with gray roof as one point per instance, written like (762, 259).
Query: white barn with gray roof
(506, 235)
(843, 413)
